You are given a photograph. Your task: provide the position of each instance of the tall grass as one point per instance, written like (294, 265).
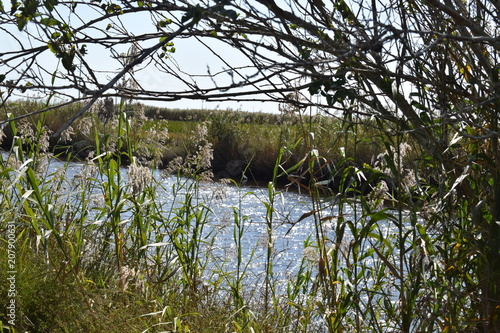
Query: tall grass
(240, 140)
(124, 249)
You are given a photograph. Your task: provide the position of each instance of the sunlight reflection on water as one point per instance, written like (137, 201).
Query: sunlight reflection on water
(293, 228)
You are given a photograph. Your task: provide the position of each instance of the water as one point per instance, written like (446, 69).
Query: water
(223, 200)
(292, 228)
(292, 233)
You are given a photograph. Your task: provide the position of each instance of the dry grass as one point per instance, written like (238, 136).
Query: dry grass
(82, 267)
(250, 141)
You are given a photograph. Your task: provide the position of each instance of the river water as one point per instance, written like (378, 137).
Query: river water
(250, 203)
(291, 232)
(292, 228)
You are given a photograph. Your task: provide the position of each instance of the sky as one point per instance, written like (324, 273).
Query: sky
(190, 56)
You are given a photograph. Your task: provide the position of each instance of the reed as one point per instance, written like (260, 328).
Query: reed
(395, 246)
(161, 135)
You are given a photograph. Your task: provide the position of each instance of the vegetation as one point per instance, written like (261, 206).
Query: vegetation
(123, 259)
(405, 238)
(240, 140)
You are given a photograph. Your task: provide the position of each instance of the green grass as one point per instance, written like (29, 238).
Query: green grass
(252, 139)
(51, 300)
(418, 257)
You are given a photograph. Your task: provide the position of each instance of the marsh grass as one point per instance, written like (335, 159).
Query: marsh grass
(158, 136)
(103, 251)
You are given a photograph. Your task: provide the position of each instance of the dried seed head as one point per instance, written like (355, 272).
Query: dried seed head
(106, 110)
(66, 134)
(174, 166)
(44, 140)
(25, 130)
(139, 177)
(85, 125)
(205, 156)
(2, 135)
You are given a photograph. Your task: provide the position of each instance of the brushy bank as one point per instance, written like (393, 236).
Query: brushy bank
(241, 141)
(118, 259)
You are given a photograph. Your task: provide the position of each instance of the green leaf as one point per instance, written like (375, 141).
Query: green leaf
(232, 14)
(426, 241)
(346, 12)
(67, 60)
(21, 23)
(112, 8)
(2, 77)
(163, 23)
(329, 100)
(193, 13)
(13, 6)
(305, 53)
(30, 7)
(315, 87)
(49, 98)
(386, 85)
(49, 21)
(418, 105)
(53, 47)
(425, 118)
(83, 49)
(50, 4)
(53, 77)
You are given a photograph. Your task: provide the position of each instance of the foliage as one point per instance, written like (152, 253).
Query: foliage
(240, 140)
(118, 251)
(423, 74)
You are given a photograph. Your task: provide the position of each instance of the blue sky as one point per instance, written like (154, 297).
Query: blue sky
(190, 56)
